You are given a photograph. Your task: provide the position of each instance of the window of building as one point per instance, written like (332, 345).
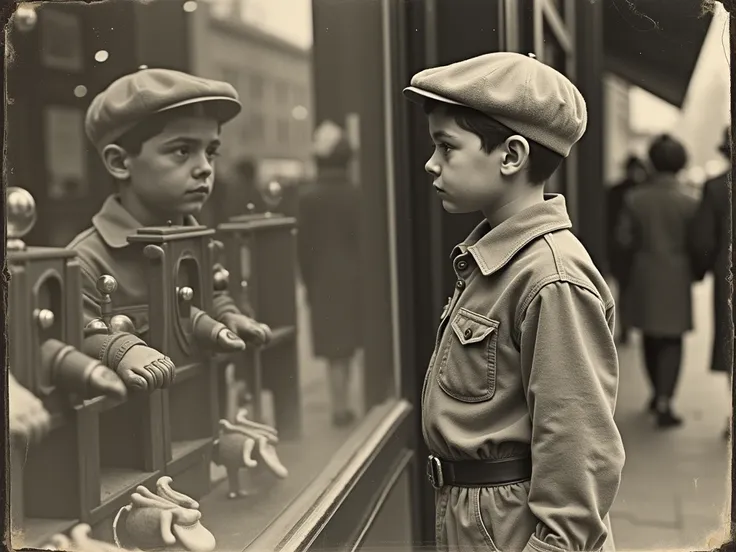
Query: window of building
(257, 87)
(282, 93)
(282, 132)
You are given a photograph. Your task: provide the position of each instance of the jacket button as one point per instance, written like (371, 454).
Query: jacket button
(460, 284)
(462, 265)
(468, 333)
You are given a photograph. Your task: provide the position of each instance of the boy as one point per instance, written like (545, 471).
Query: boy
(518, 401)
(157, 132)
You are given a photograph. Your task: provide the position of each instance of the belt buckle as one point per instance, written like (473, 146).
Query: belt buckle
(434, 472)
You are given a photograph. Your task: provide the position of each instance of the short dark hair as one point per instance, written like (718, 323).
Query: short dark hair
(132, 141)
(543, 162)
(667, 154)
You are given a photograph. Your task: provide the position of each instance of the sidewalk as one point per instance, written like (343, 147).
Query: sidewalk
(675, 484)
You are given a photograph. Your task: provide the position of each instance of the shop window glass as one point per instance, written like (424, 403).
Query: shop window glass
(318, 268)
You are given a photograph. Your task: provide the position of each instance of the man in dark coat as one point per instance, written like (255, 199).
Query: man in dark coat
(329, 256)
(710, 238)
(618, 258)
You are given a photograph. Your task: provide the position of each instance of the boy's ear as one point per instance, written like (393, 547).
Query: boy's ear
(514, 156)
(116, 159)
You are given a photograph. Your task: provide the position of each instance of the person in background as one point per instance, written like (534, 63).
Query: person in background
(619, 261)
(710, 237)
(329, 255)
(653, 229)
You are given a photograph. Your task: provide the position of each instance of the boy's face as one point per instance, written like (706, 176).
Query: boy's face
(175, 170)
(467, 179)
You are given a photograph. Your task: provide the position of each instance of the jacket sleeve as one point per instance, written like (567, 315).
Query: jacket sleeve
(570, 372)
(704, 233)
(107, 348)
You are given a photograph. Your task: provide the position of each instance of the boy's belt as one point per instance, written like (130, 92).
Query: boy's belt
(478, 473)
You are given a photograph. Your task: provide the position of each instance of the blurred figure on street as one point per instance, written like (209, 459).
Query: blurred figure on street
(653, 228)
(710, 239)
(329, 257)
(619, 260)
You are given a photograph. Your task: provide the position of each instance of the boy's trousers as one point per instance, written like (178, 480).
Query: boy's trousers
(495, 519)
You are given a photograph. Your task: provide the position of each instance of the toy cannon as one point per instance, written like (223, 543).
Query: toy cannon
(46, 299)
(51, 383)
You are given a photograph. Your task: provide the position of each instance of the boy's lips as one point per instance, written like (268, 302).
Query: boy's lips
(199, 190)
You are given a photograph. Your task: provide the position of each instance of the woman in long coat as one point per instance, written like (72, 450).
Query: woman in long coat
(329, 259)
(654, 225)
(710, 238)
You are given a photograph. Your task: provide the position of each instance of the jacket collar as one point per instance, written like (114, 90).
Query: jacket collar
(114, 223)
(492, 248)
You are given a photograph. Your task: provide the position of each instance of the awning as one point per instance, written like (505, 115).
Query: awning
(654, 44)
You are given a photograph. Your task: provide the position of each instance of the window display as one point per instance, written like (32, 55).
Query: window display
(209, 445)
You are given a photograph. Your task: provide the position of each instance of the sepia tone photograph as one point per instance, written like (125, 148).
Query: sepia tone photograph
(369, 275)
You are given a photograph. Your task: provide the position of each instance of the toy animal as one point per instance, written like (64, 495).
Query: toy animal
(164, 520)
(238, 443)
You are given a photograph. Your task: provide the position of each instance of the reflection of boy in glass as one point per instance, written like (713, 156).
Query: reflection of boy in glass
(329, 253)
(158, 133)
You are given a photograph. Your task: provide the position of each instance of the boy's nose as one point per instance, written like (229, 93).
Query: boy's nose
(432, 167)
(203, 169)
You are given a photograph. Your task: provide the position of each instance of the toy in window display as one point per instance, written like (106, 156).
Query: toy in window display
(165, 519)
(79, 541)
(60, 365)
(243, 444)
(29, 420)
(160, 371)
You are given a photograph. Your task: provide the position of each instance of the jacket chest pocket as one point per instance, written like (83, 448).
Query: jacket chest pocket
(468, 367)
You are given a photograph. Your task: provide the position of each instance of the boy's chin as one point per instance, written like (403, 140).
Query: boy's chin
(455, 209)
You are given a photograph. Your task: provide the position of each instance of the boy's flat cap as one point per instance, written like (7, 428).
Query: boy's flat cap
(136, 96)
(519, 91)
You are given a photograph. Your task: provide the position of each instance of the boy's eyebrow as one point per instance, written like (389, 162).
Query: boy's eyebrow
(188, 140)
(439, 134)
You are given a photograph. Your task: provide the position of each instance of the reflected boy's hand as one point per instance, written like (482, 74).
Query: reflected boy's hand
(143, 368)
(248, 329)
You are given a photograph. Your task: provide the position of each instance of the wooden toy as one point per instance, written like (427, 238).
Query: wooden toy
(260, 253)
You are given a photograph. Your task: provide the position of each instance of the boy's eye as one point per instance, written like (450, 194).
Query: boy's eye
(213, 153)
(182, 150)
(445, 148)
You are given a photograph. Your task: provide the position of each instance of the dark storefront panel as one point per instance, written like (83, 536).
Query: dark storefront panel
(653, 44)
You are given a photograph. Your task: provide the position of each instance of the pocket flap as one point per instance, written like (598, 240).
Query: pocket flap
(471, 327)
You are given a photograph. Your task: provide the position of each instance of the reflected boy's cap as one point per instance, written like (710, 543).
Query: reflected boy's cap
(136, 96)
(519, 91)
